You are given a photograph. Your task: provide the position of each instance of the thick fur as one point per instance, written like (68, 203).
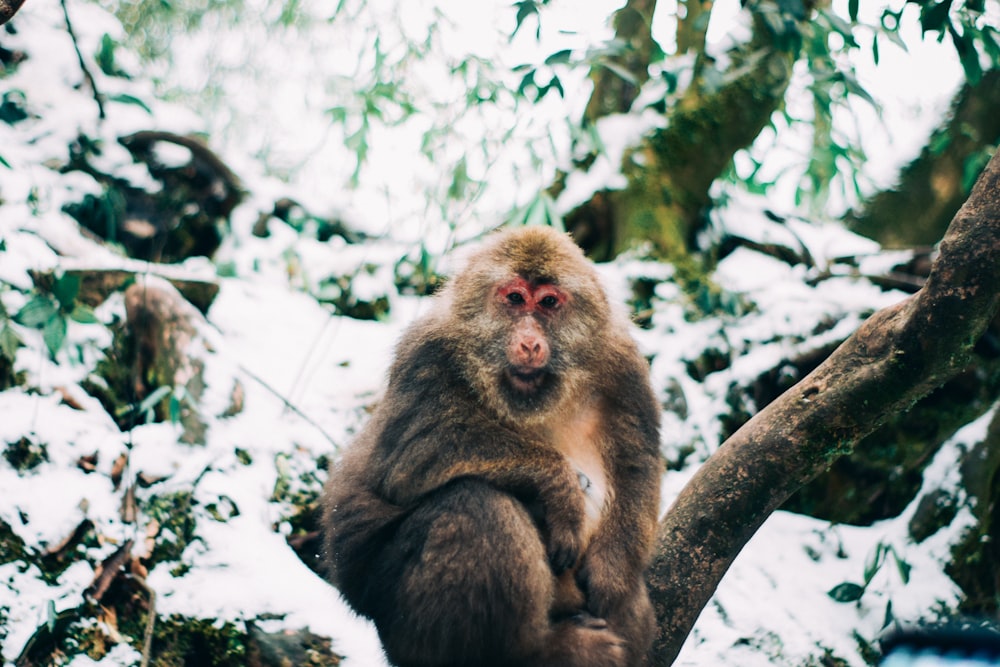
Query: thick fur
(458, 521)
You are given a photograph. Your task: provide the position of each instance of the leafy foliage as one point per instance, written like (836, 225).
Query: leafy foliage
(50, 312)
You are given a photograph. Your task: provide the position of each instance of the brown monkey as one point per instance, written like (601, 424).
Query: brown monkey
(500, 506)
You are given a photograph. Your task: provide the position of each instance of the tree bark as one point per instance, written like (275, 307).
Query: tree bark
(613, 93)
(897, 356)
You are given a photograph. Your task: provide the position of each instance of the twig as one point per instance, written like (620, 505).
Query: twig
(288, 404)
(83, 65)
(147, 637)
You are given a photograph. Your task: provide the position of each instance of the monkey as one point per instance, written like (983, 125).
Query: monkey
(500, 506)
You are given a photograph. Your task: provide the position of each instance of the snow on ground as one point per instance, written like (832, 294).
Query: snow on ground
(771, 609)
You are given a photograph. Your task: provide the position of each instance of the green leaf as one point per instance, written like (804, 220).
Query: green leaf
(935, 16)
(527, 81)
(5, 163)
(37, 312)
(889, 616)
(524, 10)
(552, 217)
(967, 54)
(65, 289)
(83, 314)
(459, 181)
(855, 88)
(54, 333)
(896, 39)
(536, 212)
(852, 10)
(874, 561)
(841, 27)
(124, 98)
(175, 409)
(559, 57)
(9, 341)
(846, 592)
(622, 73)
(903, 567)
(337, 114)
(973, 166)
(150, 401)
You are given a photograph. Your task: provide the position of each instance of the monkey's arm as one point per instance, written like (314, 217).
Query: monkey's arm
(430, 431)
(620, 550)
(529, 471)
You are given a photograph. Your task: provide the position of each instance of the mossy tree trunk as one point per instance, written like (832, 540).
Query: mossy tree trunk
(718, 114)
(916, 211)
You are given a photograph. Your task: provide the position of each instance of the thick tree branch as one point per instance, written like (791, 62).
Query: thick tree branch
(897, 356)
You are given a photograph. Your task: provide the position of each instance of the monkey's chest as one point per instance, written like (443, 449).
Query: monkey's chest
(579, 441)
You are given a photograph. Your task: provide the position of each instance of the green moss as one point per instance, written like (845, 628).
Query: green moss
(179, 641)
(175, 514)
(884, 472)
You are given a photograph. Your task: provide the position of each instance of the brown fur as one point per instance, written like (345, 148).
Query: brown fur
(500, 507)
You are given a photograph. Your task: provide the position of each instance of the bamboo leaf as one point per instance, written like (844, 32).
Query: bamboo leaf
(846, 592)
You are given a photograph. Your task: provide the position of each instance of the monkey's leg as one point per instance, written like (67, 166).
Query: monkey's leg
(635, 621)
(466, 581)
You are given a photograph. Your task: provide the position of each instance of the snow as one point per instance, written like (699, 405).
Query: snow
(267, 331)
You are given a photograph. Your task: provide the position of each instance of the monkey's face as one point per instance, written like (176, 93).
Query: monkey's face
(528, 374)
(528, 319)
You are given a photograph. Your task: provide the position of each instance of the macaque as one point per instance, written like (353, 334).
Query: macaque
(500, 507)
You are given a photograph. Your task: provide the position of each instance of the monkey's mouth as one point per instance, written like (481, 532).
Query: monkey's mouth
(526, 380)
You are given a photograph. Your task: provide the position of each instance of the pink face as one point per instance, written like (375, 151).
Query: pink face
(528, 350)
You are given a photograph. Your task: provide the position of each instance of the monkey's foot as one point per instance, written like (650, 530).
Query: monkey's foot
(584, 641)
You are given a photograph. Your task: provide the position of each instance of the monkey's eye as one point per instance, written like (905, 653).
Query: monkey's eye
(548, 302)
(515, 298)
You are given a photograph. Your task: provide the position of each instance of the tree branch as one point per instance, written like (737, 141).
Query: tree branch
(897, 356)
(83, 64)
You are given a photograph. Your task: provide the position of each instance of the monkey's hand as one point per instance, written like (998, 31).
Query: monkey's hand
(604, 580)
(564, 546)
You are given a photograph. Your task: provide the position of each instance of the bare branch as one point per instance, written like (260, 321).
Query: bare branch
(897, 356)
(83, 64)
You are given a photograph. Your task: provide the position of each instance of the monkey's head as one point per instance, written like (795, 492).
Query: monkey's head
(530, 322)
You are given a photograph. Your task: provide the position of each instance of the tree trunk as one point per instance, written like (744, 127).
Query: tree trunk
(897, 356)
(933, 186)
(670, 174)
